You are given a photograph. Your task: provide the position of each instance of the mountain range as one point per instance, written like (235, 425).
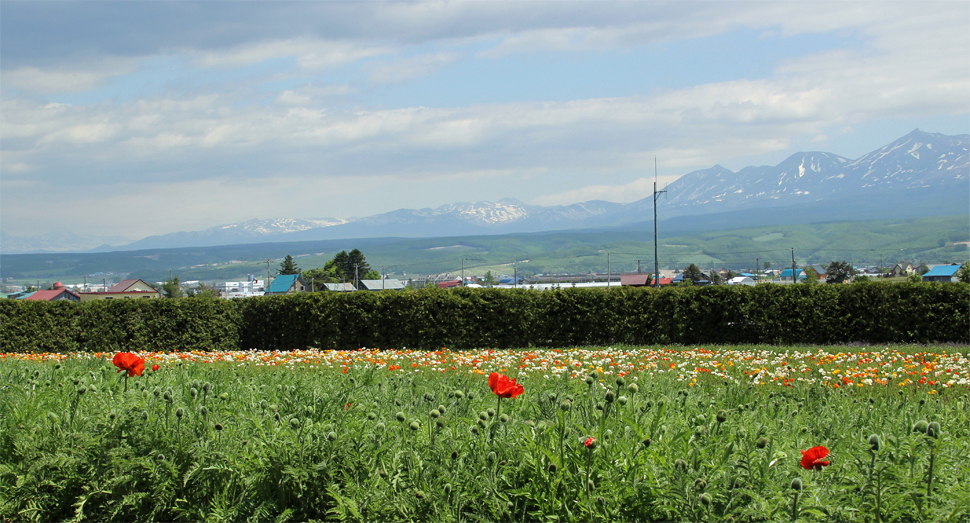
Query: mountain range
(920, 174)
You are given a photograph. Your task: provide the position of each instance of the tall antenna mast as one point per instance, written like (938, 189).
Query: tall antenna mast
(656, 257)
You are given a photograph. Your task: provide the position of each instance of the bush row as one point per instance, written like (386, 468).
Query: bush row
(467, 318)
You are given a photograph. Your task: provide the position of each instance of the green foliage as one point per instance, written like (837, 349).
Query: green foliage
(692, 275)
(964, 273)
(838, 272)
(300, 444)
(288, 266)
(463, 318)
(172, 288)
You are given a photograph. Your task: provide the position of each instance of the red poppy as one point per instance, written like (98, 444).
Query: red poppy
(812, 458)
(155, 368)
(503, 386)
(129, 362)
(590, 441)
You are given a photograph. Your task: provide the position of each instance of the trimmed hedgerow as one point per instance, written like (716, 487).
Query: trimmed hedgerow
(468, 318)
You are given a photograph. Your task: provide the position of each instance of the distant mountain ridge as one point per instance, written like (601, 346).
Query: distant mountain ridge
(920, 174)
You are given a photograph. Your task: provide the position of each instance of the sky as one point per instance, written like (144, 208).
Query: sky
(140, 118)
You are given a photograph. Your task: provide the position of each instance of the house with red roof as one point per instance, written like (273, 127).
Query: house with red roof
(58, 293)
(125, 289)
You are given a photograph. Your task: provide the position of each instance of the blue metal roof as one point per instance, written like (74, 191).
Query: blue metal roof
(787, 273)
(282, 283)
(943, 270)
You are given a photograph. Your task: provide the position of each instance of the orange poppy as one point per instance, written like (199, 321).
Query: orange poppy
(503, 386)
(126, 361)
(812, 458)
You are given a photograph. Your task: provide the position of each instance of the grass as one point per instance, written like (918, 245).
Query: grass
(681, 434)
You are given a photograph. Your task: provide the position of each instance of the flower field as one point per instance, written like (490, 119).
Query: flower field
(612, 434)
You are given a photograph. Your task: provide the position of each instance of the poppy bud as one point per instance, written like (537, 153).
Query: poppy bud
(589, 381)
(442, 409)
(721, 416)
(193, 392)
(428, 396)
(491, 457)
(565, 405)
(81, 390)
(933, 430)
(680, 465)
(490, 412)
(204, 411)
(224, 396)
(622, 400)
(418, 494)
(156, 392)
(646, 443)
(218, 427)
(144, 415)
(167, 396)
(591, 485)
(620, 381)
(440, 422)
(434, 413)
(415, 425)
(332, 436)
(610, 396)
(372, 415)
(276, 416)
(471, 395)
(504, 418)
(874, 442)
(553, 468)
(206, 387)
(379, 427)
(633, 388)
(474, 431)
(700, 484)
(179, 413)
(761, 443)
(796, 484)
(160, 457)
(447, 488)
(454, 455)
(459, 394)
(483, 415)
(705, 499)
(920, 426)
(401, 417)
(112, 416)
(599, 406)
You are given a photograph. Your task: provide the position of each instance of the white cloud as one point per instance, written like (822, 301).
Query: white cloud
(68, 78)
(629, 192)
(312, 94)
(411, 67)
(310, 54)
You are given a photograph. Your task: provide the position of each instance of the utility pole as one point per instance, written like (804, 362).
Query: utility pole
(757, 265)
(266, 285)
(638, 266)
(656, 257)
(794, 277)
(515, 277)
(356, 281)
(609, 271)
(463, 272)
(383, 276)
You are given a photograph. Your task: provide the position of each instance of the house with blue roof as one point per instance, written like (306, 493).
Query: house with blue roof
(943, 273)
(287, 284)
(786, 274)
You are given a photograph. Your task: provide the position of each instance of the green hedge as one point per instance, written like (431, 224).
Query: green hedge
(470, 318)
